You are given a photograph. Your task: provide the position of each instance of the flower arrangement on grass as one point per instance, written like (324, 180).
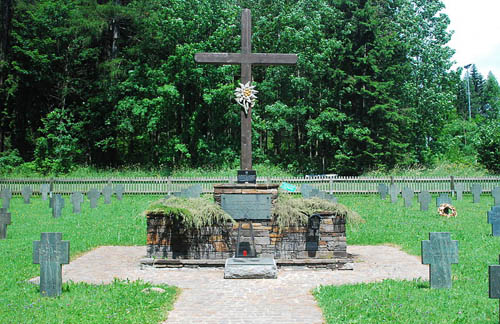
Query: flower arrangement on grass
(447, 210)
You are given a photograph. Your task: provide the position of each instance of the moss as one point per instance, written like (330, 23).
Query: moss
(288, 211)
(193, 213)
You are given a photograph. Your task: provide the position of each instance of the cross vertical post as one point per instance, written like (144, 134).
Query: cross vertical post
(4, 221)
(439, 252)
(51, 252)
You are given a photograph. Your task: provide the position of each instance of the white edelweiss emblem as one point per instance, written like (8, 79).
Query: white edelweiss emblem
(245, 96)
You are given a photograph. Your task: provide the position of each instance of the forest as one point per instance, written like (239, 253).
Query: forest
(114, 83)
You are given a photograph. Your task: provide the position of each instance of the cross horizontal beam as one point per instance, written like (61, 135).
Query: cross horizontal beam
(252, 58)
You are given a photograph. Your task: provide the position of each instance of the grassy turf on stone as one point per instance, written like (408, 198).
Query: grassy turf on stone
(120, 223)
(413, 301)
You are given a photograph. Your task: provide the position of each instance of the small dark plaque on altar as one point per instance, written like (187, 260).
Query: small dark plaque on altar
(249, 176)
(249, 206)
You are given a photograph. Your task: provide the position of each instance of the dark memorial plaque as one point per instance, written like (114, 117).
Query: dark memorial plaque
(6, 195)
(107, 192)
(44, 189)
(476, 190)
(494, 220)
(459, 189)
(26, 192)
(50, 252)
(119, 189)
(247, 176)
(408, 196)
(394, 192)
(440, 252)
(495, 193)
(382, 190)
(252, 206)
(4, 221)
(443, 199)
(424, 198)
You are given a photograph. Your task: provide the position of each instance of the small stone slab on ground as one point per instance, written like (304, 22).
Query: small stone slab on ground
(250, 268)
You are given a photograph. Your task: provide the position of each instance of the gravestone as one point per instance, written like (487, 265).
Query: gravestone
(119, 189)
(26, 192)
(440, 252)
(93, 196)
(247, 206)
(50, 252)
(107, 192)
(476, 190)
(424, 198)
(408, 196)
(76, 199)
(394, 192)
(443, 199)
(316, 193)
(44, 189)
(495, 193)
(494, 281)
(305, 190)
(190, 192)
(4, 221)
(459, 189)
(382, 190)
(6, 195)
(494, 220)
(57, 205)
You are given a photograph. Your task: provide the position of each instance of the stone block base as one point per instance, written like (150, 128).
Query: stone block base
(250, 268)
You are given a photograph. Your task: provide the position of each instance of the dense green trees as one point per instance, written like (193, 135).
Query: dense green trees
(111, 83)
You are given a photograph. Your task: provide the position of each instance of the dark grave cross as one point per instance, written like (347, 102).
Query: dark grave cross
(424, 198)
(119, 189)
(77, 201)
(494, 282)
(93, 195)
(4, 221)
(26, 192)
(495, 192)
(246, 59)
(440, 252)
(394, 192)
(408, 196)
(6, 195)
(382, 190)
(44, 189)
(50, 252)
(107, 192)
(459, 189)
(476, 190)
(306, 190)
(57, 205)
(494, 220)
(443, 199)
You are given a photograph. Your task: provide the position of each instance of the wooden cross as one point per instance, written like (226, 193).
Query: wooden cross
(246, 59)
(4, 221)
(439, 252)
(50, 252)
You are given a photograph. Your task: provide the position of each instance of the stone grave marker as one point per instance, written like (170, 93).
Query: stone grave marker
(443, 199)
(459, 189)
(76, 199)
(305, 190)
(26, 192)
(408, 196)
(57, 205)
(440, 252)
(494, 281)
(6, 195)
(193, 191)
(50, 252)
(494, 220)
(119, 189)
(107, 192)
(44, 189)
(382, 190)
(495, 192)
(4, 221)
(394, 192)
(424, 198)
(93, 196)
(476, 190)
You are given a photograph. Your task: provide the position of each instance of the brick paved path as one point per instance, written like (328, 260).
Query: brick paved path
(208, 298)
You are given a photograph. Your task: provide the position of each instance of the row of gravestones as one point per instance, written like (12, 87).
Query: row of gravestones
(308, 191)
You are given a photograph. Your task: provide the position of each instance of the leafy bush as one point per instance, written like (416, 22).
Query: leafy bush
(488, 146)
(9, 160)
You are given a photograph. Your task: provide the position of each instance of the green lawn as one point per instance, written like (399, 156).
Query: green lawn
(413, 301)
(120, 223)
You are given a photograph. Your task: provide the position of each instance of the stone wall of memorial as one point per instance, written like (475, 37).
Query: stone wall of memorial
(167, 238)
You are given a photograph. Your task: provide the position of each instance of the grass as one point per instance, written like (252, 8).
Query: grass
(413, 301)
(120, 223)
